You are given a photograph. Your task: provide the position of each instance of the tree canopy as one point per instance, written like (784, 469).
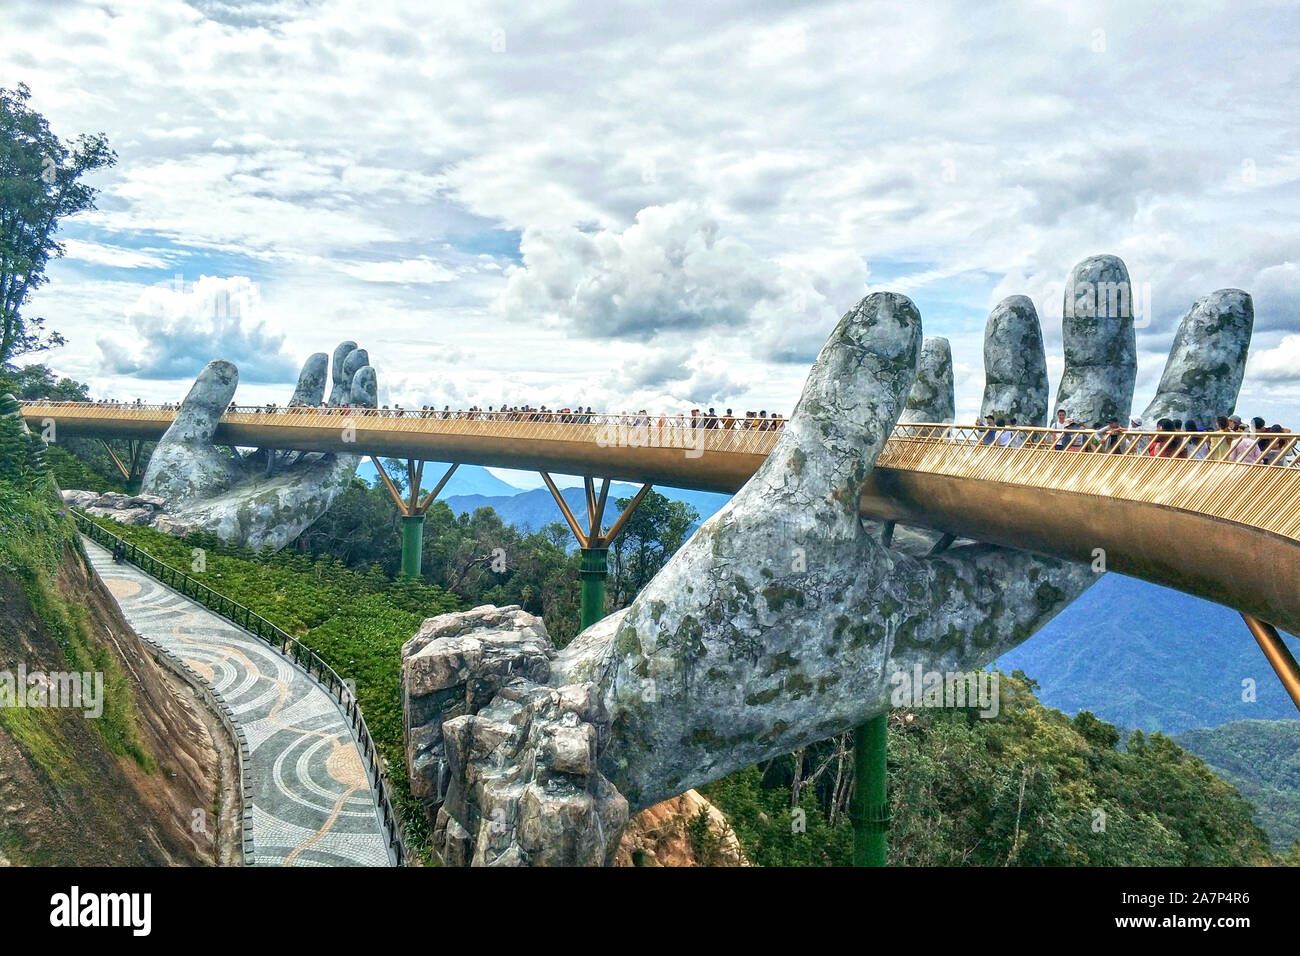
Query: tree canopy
(40, 186)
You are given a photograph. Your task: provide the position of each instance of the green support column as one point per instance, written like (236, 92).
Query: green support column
(412, 544)
(593, 572)
(870, 812)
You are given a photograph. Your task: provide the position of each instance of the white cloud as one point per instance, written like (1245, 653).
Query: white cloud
(171, 333)
(401, 271)
(778, 151)
(99, 254)
(669, 271)
(1278, 364)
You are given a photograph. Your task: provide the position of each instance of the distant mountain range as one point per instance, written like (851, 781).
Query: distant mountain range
(1142, 656)
(533, 510)
(468, 480)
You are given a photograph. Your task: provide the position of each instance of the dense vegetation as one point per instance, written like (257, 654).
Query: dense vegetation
(75, 462)
(1031, 787)
(483, 560)
(35, 535)
(1261, 758)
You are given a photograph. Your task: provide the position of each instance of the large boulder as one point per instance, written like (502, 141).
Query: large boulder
(506, 765)
(932, 398)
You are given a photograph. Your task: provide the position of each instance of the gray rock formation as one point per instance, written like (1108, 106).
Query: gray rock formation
(185, 465)
(779, 623)
(1099, 342)
(1207, 361)
(932, 398)
(124, 509)
(238, 497)
(1015, 364)
(453, 666)
(506, 765)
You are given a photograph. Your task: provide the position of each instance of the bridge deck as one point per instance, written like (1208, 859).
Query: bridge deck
(1224, 529)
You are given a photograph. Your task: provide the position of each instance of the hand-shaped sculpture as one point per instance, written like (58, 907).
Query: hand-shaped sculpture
(266, 497)
(783, 619)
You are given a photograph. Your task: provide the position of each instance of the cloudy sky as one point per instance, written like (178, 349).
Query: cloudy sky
(662, 205)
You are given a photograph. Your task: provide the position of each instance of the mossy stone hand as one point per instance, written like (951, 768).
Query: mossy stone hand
(266, 497)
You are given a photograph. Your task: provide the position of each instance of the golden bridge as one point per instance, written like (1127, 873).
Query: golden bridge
(1216, 515)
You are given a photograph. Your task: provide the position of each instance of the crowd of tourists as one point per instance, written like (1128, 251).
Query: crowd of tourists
(577, 415)
(1229, 439)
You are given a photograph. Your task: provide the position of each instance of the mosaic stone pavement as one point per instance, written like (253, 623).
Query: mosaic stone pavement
(312, 801)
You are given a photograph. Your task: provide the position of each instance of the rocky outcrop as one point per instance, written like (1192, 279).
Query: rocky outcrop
(670, 834)
(124, 509)
(506, 765)
(1207, 361)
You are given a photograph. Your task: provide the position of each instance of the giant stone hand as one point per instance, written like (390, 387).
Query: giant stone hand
(267, 497)
(783, 619)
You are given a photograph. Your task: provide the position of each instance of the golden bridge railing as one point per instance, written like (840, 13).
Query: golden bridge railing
(1250, 478)
(677, 431)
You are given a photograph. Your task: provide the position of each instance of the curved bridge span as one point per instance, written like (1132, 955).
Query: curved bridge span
(1198, 516)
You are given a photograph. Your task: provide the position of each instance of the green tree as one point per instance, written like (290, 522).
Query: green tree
(40, 185)
(651, 536)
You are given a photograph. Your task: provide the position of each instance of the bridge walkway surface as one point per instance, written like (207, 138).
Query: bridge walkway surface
(313, 804)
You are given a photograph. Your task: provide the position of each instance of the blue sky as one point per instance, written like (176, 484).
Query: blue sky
(664, 205)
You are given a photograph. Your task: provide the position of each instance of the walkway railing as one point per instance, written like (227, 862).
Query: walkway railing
(1245, 477)
(286, 643)
(1251, 479)
(713, 434)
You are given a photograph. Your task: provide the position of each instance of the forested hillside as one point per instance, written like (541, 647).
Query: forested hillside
(1031, 787)
(1262, 759)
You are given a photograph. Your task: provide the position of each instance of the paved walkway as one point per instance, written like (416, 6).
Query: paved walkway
(312, 801)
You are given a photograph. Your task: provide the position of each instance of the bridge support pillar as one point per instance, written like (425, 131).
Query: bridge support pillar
(594, 541)
(870, 809)
(412, 544)
(135, 455)
(593, 572)
(412, 508)
(1278, 654)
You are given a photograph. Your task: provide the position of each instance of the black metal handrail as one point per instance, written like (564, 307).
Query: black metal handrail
(277, 637)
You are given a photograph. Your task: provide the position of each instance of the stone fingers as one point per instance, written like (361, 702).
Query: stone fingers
(932, 398)
(1015, 364)
(849, 406)
(1099, 342)
(365, 387)
(311, 381)
(1207, 362)
(340, 386)
(185, 464)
